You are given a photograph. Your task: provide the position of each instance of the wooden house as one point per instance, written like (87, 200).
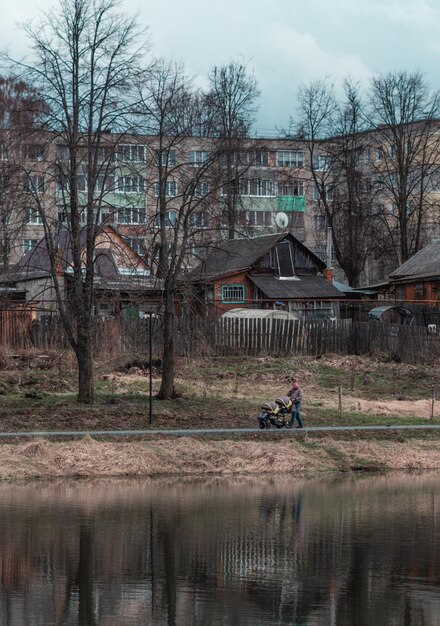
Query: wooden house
(270, 271)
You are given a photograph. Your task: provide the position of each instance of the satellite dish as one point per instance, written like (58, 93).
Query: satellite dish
(281, 220)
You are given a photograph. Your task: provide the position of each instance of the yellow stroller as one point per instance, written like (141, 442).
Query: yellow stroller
(273, 413)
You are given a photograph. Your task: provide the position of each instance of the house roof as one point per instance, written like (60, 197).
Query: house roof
(36, 262)
(302, 287)
(234, 255)
(425, 262)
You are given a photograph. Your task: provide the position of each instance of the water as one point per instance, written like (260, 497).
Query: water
(262, 551)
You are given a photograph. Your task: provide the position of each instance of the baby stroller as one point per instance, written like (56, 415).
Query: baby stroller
(275, 413)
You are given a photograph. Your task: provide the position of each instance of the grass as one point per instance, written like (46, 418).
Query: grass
(216, 392)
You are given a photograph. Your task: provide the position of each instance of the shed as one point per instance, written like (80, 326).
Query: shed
(267, 314)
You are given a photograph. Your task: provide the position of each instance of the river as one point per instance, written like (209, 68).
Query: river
(268, 550)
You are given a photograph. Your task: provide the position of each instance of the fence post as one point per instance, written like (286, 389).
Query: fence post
(433, 404)
(340, 400)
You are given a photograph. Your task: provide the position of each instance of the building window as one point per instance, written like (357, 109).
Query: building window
(321, 163)
(33, 152)
(325, 193)
(130, 215)
(290, 158)
(257, 158)
(197, 158)
(170, 188)
(257, 187)
(366, 156)
(167, 158)
(131, 184)
(138, 244)
(233, 294)
(201, 189)
(33, 184)
(319, 222)
(106, 154)
(29, 244)
(198, 220)
(104, 183)
(133, 153)
(4, 152)
(62, 153)
(254, 218)
(291, 188)
(33, 216)
(171, 218)
(418, 291)
(400, 292)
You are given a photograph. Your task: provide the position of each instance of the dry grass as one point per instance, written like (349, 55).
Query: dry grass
(186, 456)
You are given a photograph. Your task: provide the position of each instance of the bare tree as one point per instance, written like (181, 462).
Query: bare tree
(403, 117)
(232, 105)
(333, 134)
(85, 58)
(183, 187)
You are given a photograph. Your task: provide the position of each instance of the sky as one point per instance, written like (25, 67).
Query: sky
(285, 43)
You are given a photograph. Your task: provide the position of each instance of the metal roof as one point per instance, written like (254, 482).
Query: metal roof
(425, 262)
(234, 255)
(301, 287)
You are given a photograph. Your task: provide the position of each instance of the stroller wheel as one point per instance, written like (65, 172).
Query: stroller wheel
(262, 424)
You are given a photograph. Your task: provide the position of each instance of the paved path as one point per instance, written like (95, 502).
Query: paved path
(202, 432)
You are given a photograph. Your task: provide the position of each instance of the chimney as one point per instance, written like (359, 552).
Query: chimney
(328, 274)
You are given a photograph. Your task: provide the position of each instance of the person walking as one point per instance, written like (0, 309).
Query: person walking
(296, 395)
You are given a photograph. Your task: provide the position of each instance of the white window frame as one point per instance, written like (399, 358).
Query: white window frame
(29, 244)
(130, 215)
(138, 244)
(131, 153)
(131, 184)
(197, 158)
(33, 217)
(198, 219)
(293, 187)
(34, 183)
(290, 158)
(321, 162)
(170, 189)
(201, 189)
(233, 294)
(167, 158)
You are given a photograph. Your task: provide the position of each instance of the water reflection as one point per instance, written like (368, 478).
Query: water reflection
(240, 552)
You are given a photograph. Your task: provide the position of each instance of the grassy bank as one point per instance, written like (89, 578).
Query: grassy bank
(300, 457)
(37, 392)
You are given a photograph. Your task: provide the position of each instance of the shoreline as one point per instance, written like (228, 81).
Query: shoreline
(89, 458)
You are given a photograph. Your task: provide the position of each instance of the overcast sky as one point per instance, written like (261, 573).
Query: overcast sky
(284, 42)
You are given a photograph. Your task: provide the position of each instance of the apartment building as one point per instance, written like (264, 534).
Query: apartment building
(267, 185)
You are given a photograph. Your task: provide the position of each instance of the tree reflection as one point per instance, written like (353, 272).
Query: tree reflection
(323, 553)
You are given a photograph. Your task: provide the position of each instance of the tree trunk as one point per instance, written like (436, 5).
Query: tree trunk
(86, 387)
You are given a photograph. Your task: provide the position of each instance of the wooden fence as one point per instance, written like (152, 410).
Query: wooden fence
(231, 337)
(293, 337)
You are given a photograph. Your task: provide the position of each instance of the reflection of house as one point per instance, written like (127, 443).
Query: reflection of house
(271, 271)
(418, 279)
(123, 283)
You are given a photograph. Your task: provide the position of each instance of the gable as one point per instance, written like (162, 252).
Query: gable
(258, 253)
